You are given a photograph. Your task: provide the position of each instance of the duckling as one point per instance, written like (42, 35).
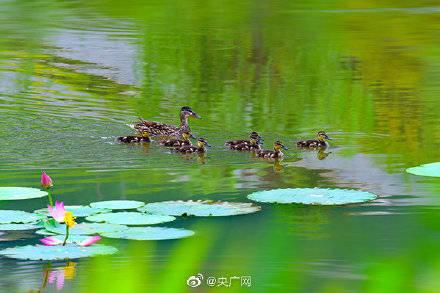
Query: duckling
(201, 147)
(253, 135)
(179, 142)
(275, 153)
(143, 136)
(254, 144)
(162, 129)
(313, 143)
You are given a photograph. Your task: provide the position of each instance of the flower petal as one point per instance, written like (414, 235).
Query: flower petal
(50, 241)
(89, 241)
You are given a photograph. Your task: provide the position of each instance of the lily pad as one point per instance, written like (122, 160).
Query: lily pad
(86, 228)
(432, 169)
(16, 193)
(318, 196)
(150, 233)
(78, 211)
(199, 208)
(12, 216)
(117, 204)
(44, 232)
(58, 252)
(17, 227)
(130, 218)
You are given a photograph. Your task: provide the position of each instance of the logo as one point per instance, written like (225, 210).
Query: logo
(195, 281)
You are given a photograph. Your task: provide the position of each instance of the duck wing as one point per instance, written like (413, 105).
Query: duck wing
(156, 128)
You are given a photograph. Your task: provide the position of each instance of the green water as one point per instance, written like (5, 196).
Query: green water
(72, 73)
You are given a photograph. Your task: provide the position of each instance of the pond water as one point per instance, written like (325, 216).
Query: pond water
(73, 73)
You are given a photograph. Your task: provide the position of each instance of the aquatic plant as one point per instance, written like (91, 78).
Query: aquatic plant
(60, 215)
(46, 182)
(51, 241)
(18, 193)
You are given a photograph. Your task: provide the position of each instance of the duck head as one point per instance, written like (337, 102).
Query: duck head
(201, 142)
(278, 145)
(187, 135)
(322, 136)
(254, 138)
(187, 111)
(145, 133)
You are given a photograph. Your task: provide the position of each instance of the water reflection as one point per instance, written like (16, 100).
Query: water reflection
(56, 276)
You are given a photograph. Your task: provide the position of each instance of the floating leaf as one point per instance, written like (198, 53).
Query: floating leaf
(16, 193)
(86, 228)
(12, 216)
(78, 211)
(130, 218)
(150, 233)
(58, 252)
(317, 196)
(432, 169)
(199, 208)
(16, 227)
(44, 232)
(117, 204)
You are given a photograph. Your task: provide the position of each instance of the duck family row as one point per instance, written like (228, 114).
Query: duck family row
(178, 138)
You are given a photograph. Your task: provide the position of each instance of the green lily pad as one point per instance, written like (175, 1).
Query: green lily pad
(44, 232)
(130, 218)
(150, 233)
(17, 227)
(199, 208)
(16, 193)
(317, 196)
(78, 211)
(432, 169)
(12, 216)
(86, 228)
(58, 252)
(117, 204)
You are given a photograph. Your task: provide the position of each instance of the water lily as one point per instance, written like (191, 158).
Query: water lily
(47, 183)
(51, 241)
(69, 219)
(58, 212)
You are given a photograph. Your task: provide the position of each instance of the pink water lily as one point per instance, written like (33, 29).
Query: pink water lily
(51, 241)
(89, 241)
(58, 212)
(46, 182)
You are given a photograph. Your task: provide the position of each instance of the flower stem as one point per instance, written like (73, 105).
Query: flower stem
(50, 197)
(67, 234)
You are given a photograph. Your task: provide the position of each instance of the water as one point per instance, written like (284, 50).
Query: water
(72, 73)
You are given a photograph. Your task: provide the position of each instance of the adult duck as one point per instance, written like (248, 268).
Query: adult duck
(163, 129)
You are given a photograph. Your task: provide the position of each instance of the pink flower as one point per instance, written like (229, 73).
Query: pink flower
(89, 241)
(46, 182)
(50, 241)
(58, 212)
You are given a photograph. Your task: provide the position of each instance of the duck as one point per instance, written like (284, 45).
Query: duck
(254, 143)
(315, 143)
(273, 154)
(254, 135)
(163, 129)
(174, 142)
(200, 149)
(143, 136)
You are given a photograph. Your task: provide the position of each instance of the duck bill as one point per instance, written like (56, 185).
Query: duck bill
(207, 144)
(327, 137)
(195, 115)
(260, 138)
(192, 136)
(284, 147)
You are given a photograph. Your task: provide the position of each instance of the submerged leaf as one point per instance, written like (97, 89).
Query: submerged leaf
(117, 204)
(130, 218)
(58, 252)
(16, 193)
(86, 228)
(12, 216)
(78, 211)
(432, 169)
(150, 233)
(318, 196)
(199, 208)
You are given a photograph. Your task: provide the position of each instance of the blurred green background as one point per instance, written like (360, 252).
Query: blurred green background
(72, 73)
